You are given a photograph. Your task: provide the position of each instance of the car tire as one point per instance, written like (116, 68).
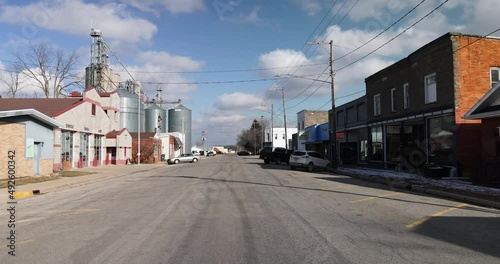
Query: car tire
(266, 161)
(176, 161)
(328, 167)
(277, 161)
(293, 168)
(195, 160)
(310, 167)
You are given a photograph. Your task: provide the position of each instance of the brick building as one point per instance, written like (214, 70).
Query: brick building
(30, 134)
(307, 118)
(352, 132)
(87, 118)
(416, 106)
(487, 109)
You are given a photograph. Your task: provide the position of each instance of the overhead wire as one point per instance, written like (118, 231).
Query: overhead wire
(393, 38)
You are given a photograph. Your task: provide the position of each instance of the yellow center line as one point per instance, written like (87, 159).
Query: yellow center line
(376, 197)
(19, 243)
(32, 219)
(427, 218)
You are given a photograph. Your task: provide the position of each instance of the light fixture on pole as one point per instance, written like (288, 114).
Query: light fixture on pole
(331, 120)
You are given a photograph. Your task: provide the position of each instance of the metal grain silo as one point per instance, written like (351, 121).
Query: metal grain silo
(156, 119)
(129, 107)
(179, 120)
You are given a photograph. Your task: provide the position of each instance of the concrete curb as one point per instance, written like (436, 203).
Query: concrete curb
(420, 189)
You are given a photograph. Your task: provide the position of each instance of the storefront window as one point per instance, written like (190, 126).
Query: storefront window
(363, 150)
(84, 148)
(441, 147)
(66, 146)
(377, 144)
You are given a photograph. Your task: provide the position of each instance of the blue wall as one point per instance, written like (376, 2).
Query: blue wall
(38, 131)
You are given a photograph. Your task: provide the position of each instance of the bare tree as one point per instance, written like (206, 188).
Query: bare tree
(51, 69)
(13, 80)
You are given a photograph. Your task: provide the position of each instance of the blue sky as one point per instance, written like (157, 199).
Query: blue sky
(229, 51)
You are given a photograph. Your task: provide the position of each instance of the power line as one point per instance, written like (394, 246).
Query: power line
(401, 33)
(225, 71)
(383, 31)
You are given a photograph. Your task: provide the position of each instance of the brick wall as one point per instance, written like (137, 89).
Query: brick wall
(472, 81)
(490, 140)
(12, 137)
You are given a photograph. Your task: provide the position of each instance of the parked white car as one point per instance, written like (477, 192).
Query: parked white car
(310, 160)
(183, 158)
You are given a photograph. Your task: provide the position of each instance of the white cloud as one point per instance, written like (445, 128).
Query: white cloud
(172, 6)
(311, 7)
(237, 101)
(157, 68)
(76, 17)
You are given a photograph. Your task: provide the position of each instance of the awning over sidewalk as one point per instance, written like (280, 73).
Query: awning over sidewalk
(177, 141)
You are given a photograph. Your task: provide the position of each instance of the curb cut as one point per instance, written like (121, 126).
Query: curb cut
(420, 189)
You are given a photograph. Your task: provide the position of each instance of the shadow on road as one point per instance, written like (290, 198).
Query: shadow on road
(359, 182)
(463, 231)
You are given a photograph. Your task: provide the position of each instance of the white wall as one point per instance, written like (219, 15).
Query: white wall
(278, 136)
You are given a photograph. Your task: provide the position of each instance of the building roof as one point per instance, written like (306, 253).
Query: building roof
(34, 114)
(115, 133)
(49, 106)
(486, 107)
(144, 135)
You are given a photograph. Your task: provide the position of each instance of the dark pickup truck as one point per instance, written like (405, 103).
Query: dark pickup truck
(277, 155)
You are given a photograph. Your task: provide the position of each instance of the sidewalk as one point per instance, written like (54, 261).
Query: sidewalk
(98, 174)
(459, 190)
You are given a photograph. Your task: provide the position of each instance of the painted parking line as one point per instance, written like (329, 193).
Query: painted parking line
(22, 195)
(376, 197)
(427, 218)
(19, 243)
(32, 219)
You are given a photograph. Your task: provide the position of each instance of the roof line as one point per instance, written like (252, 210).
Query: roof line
(33, 113)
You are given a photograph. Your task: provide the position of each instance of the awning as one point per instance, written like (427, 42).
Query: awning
(177, 141)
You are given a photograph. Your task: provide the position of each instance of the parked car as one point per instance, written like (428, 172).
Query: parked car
(183, 158)
(210, 153)
(310, 160)
(243, 153)
(266, 154)
(276, 155)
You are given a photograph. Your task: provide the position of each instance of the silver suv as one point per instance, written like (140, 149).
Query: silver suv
(308, 159)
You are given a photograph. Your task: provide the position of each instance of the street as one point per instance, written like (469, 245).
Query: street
(231, 209)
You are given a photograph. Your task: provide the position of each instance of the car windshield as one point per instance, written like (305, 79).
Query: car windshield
(299, 153)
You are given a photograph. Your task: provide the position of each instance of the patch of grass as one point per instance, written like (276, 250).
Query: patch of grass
(28, 180)
(74, 173)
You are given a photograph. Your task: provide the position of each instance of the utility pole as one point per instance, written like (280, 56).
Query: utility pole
(332, 148)
(262, 138)
(272, 125)
(333, 127)
(284, 116)
(254, 138)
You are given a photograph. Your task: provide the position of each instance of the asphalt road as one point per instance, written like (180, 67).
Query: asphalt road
(230, 209)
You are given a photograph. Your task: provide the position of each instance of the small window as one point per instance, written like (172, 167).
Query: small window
(376, 105)
(430, 88)
(393, 99)
(495, 76)
(283, 136)
(406, 95)
(93, 109)
(275, 136)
